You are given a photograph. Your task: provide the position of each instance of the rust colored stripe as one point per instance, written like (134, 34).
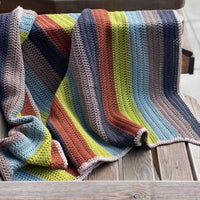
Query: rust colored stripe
(76, 144)
(56, 34)
(104, 29)
(71, 170)
(27, 108)
(56, 159)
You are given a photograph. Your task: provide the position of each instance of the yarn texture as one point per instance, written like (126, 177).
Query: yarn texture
(81, 89)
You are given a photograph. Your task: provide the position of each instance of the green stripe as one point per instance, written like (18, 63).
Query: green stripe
(64, 96)
(122, 71)
(49, 174)
(65, 21)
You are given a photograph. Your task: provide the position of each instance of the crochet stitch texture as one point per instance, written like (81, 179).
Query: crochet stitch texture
(82, 89)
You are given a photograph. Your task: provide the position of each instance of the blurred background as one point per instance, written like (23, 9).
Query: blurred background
(190, 84)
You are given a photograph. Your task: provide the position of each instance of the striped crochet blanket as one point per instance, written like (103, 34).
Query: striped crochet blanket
(81, 89)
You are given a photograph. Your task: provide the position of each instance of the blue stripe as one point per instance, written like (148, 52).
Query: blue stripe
(140, 76)
(89, 37)
(171, 67)
(32, 140)
(22, 175)
(14, 162)
(26, 22)
(74, 15)
(41, 95)
(56, 59)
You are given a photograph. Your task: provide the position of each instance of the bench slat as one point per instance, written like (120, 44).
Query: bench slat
(138, 165)
(194, 150)
(106, 171)
(174, 162)
(100, 190)
(194, 155)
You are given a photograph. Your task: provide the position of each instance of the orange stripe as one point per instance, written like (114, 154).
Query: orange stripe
(27, 108)
(104, 29)
(56, 34)
(56, 159)
(76, 144)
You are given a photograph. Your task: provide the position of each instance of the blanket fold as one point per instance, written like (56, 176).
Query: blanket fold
(82, 89)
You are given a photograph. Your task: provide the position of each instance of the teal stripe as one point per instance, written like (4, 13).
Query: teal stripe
(32, 140)
(140, 77)
(14, 162)
(26, 23)
(21, 175)
(41, 95)
(74, 15)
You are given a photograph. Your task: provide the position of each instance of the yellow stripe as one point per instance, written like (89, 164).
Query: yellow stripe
(122, 71)
(42, 156)
(23, 36)
(44, 116)
(65, 21)
(49, 174)
(64, 95)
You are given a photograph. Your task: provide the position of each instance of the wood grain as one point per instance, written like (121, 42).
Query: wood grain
(99, 190)
(3, 126)
(106, 171)
(194, 106)
(194, 155)
(67, 6)
(138, 165)
(174, 162)
(113, 5)
(194, 150)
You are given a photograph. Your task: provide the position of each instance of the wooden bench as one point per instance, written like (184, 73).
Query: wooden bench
(166, 172)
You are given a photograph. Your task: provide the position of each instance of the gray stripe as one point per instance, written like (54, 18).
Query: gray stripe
(40, 66)
(155, 51)
(85, 85)
(14, 69)
(5, 168)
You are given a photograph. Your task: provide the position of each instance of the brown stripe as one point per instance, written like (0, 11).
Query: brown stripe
(27, 107)
(37, 112)
(56, 34)
(56, 159)
(104, 28)
(155, 51)
(76, 144)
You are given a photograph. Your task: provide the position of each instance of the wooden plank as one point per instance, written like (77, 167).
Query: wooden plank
(100, 190)
(193, 105)
(106, 171)
(138, 165)
(113, 5)
(3, 126)
(174, 162)
(39, 6)
(194, 155)
(194, 150)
